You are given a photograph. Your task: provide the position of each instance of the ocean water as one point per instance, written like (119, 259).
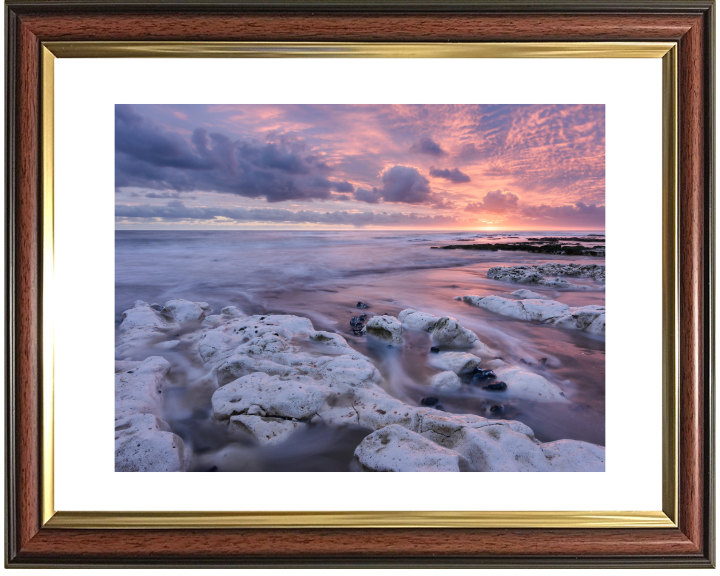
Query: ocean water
(322, 275)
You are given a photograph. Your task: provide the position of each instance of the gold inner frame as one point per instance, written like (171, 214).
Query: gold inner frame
(665, 518)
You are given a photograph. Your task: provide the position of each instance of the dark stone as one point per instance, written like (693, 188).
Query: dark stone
(544, 248)
(542, 361)
(440, 407)
(362, 305)
(496, 386)
(479, 376)
(434, 350)
(213, 469)
(429, 401)
(156, 307)
(556, 239)
(497, 408)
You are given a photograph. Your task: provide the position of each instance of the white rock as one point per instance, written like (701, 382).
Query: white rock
(354, 371)
(417, 320)
(182, 310)
(595, 271)
(138, 387)
(213, 321)
(517, 274)
(527, 385)
(168, 344)
(561, 284)
(331, 339)
(142, 323)
(589, 318)
(533, 309)
(543, 310)
(230, 312)
(523, 293)
(448, 332)
(266, 431)
(397, 449)
(215, 342)
(256, 410)
(241, 364)
(574, 456)
(143, 441)
(204, 306)
(273, 387)
(385, 328)
(447, 380)
(457, 362)
(473, 443)
(301, 399)
(597, 326)
(286, 324)
(534, 274)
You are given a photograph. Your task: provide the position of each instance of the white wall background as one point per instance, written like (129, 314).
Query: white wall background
(2, 321)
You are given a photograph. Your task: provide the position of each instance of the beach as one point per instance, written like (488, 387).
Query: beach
(322, 276)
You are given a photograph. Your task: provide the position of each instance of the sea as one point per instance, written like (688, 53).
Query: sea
(322, 275)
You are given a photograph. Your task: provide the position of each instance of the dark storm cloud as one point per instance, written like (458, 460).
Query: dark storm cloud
(405, 184)
(401, 184)
(370, 196)
(160, 195)
(427, 146)
(343, 186)
(150, 157)
(453, 175)
(176, 211)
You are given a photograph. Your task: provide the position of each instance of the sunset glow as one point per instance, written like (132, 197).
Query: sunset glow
(459, 167)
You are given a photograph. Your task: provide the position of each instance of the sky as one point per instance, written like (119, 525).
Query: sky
(457, 167)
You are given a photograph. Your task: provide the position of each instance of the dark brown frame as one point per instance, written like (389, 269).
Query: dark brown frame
(690, 23)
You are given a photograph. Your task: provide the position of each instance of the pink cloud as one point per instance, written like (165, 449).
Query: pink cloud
(543, 164)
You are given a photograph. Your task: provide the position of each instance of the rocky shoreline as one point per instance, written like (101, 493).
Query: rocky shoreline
(536, 274)
(533, 247)
(274, 376)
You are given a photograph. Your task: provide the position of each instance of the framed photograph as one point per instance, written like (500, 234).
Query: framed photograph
(321, 240)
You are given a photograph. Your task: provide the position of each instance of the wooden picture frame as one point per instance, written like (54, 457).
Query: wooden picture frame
(683, 535)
